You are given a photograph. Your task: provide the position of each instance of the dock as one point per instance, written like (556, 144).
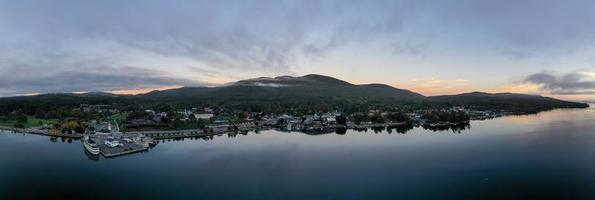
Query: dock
(124, 148)
(110, 152)
(176, 134)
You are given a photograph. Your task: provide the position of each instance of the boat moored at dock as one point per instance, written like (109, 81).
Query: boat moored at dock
(91, 145)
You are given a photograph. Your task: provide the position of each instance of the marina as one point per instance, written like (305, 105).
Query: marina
(113, 143)
(112, 146)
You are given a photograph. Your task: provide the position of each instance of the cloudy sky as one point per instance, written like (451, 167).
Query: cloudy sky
(433, 47)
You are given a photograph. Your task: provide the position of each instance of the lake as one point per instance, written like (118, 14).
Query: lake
(548, 155)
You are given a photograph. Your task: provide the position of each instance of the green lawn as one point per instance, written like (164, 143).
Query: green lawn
(31, 122)
(121, 119)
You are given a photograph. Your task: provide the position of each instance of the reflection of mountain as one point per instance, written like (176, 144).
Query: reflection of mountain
(341, 131)
(455, 128)
(319, 131)
(402, 129)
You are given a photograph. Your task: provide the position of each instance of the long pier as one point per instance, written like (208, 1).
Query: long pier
(172, 134)
(187, 133)
(41, 132)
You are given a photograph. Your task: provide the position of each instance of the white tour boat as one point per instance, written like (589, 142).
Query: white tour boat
(91, 146)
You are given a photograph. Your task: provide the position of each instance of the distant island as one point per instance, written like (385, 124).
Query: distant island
(310, 104)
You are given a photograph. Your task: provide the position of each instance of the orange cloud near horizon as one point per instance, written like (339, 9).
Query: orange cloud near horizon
(433, 87)
(142, 90)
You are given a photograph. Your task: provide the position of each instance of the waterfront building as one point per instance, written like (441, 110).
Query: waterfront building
(112, 143)
(203, 115)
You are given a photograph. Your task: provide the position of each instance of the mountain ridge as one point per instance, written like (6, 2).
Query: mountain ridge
(305, 92)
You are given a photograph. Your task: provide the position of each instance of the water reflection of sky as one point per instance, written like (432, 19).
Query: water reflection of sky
(546, 155)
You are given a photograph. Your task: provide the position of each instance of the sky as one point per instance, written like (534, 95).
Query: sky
(434, 47)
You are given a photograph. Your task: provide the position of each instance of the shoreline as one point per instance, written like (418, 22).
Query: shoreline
(188, 133)
(38, 132)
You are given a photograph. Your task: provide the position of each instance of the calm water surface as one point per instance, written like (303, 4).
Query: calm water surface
(549, 155)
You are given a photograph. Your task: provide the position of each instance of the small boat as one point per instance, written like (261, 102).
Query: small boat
(91, 146)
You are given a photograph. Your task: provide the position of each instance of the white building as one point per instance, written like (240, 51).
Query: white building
(112, 143)
(203, 115)
(331, 120)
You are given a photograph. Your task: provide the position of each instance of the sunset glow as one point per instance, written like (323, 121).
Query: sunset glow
(434, 48)
(143, 90)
